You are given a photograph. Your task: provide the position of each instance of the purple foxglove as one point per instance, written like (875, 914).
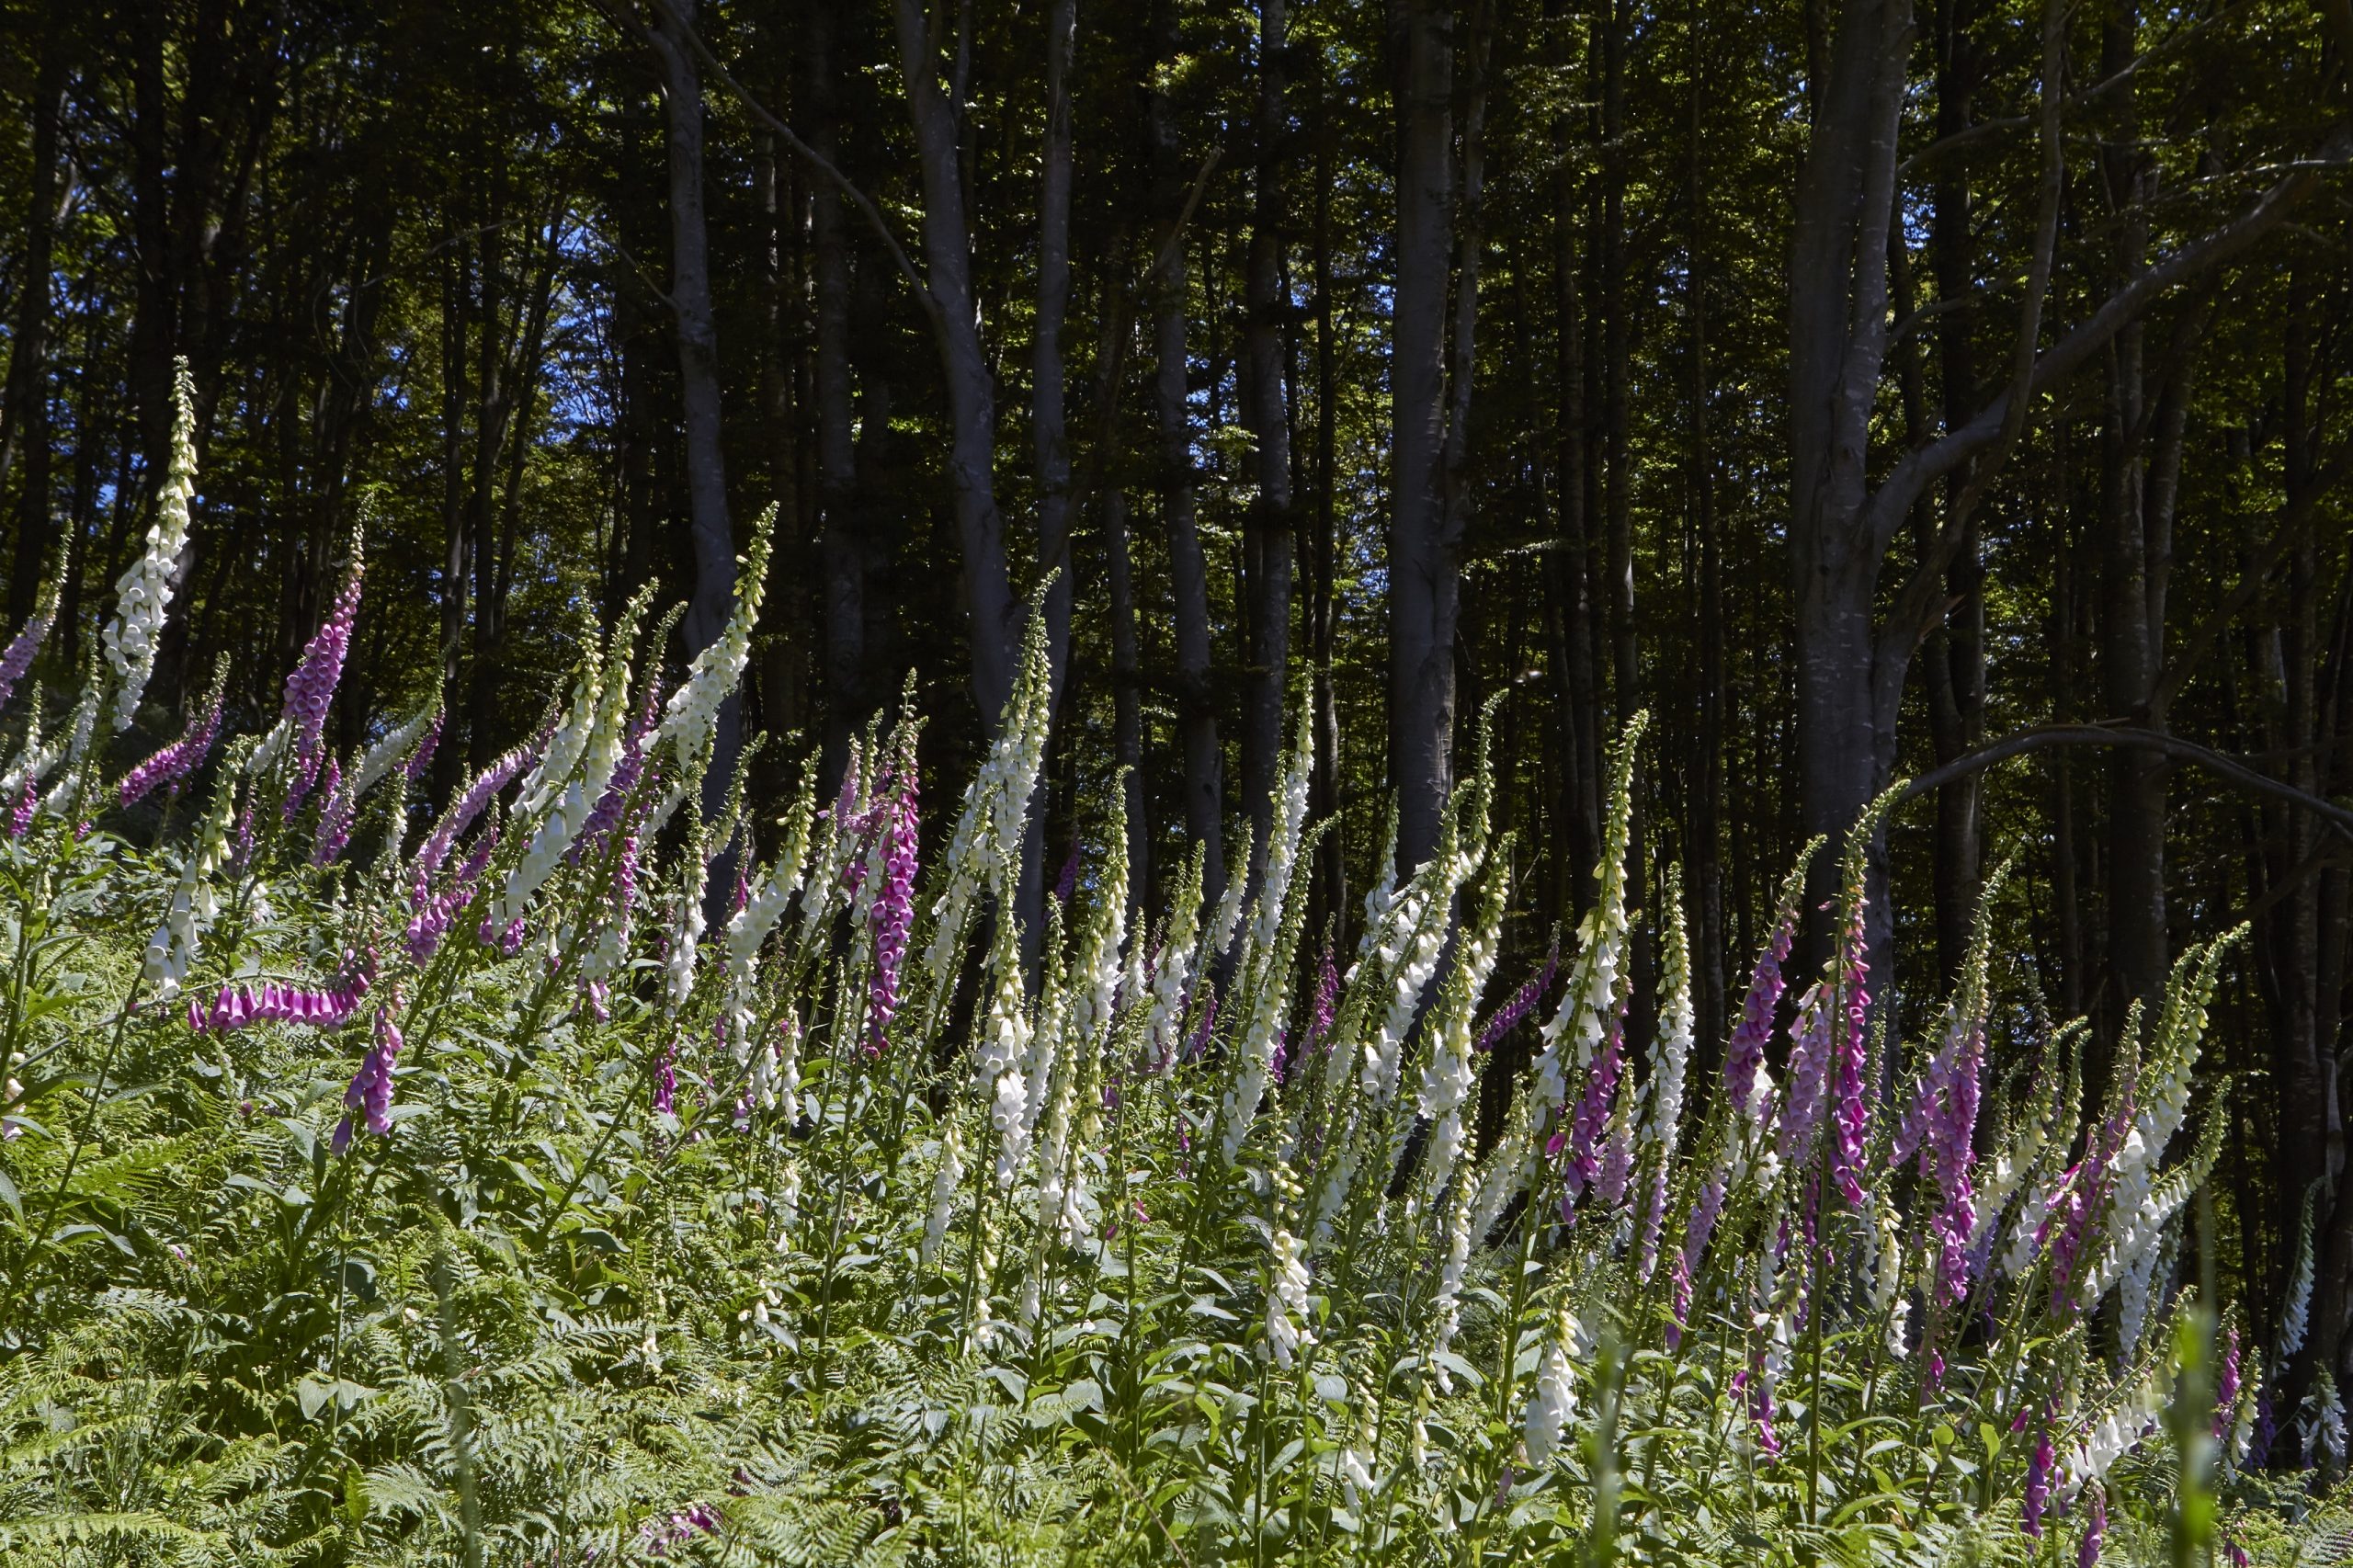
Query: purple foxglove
(1744, 1056)
(1319, 1012)
(172, 763)
(1590, 1121)
(371, 1093)
(311, 688)
(479, 793)
(413, 768)
(26, 645)
(894, 908)
(2038, 1486)
(2094, 1531)
(1521, 1003)
(335, 817)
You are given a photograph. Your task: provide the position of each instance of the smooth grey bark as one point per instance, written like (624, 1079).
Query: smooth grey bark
(996, 612)
(1851, 667)
(1269, 524)
(1187, 571)
(1424, 536)
(711, 535)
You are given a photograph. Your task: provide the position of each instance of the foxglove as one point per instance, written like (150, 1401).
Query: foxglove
(145, 587)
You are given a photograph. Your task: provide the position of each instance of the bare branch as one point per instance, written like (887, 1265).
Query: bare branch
(2047, 737)
(823, 165)
(1925, 465)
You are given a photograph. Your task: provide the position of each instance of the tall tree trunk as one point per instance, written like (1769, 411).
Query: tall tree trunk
(494, 407)
(1838, 341)
(1570, 619)
(1425, 542)
(506, 419)
(1708, 766)
(2133, 629)
(1127, 693)
(852, 690)
(1268, 524)
(1953, 660)
(24, 417)
(1330, 910)
(972, 391)
(457, 565)
(1187, 570)
(1048, 425)
(711, 537)
(783, 664)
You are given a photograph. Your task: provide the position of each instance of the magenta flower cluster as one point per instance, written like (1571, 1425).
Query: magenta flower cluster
(433, 912)
(460, 816)
(371, 1088)
(1940, 1130)
(1319, 1012)
(1852, 1112)
(2038, 1486)
(334, 818)
(894, 911)
(173, 763)
(18, 657)
(659, 1536)
(421, 759)
(311, 688)
(323, 1008)
(1590, 1121)
(1521, 1003)
(1744, 1056)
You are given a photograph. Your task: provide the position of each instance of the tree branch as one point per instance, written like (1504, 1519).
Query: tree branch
(1924, 465)
(816, 160)
(2046, 737)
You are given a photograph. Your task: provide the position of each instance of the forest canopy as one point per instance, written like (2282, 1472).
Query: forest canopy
(1929, 414)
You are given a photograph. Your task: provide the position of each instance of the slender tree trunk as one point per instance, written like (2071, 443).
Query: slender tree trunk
(1331, 907)
(494, 407)
(24, 417)
(996, 612)
(1048, 422)
(1708, 769)
(852, 691)
(1187, 570)
(1127, 691)
(711, 535)
(495, 569)
(1838, 342)
(1425, 545)
(1570, 619)
(784, 616)
(2136, 780)
(1269, 523)
(456, 567)
(1953, 660)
